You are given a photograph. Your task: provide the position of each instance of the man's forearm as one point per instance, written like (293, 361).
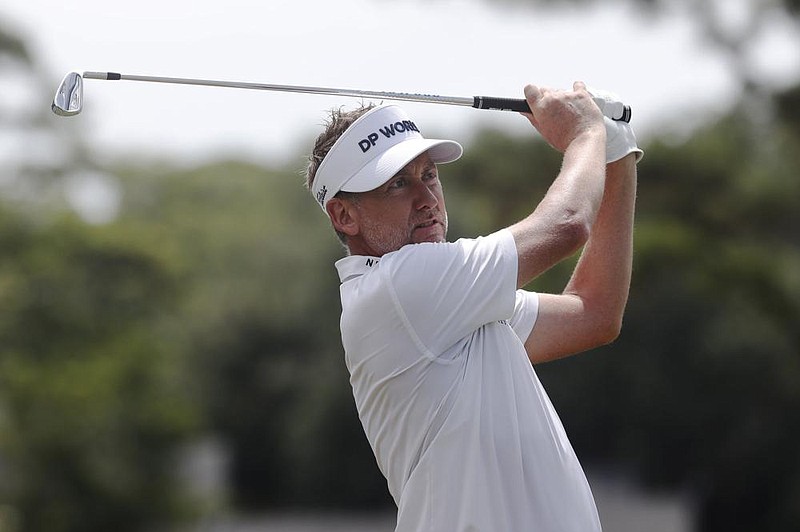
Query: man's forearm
(603, 273)
(562, 221)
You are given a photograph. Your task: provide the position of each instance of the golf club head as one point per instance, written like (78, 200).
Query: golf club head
(68, 100)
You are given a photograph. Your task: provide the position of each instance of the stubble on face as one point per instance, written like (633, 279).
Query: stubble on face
(382, 235)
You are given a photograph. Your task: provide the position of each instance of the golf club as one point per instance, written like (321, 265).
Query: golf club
(68, 100)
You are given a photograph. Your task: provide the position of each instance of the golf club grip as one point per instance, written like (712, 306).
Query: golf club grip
(521, 106)
(501, 104)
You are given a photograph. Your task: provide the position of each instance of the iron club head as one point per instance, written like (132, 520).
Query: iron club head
(68, 100)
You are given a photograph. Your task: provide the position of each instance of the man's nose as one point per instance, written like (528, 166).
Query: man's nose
(424, 196)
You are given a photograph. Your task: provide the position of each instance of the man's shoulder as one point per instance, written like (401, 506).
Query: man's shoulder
(458, 252)
(442, 248)
(416, 261)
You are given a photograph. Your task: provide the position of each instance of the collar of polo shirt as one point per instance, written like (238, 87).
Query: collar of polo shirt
(372, 150)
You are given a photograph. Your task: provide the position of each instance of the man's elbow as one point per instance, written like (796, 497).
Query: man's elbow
(608, 331)
(574, 231)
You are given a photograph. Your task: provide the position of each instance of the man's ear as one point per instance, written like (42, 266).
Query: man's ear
(343, 216)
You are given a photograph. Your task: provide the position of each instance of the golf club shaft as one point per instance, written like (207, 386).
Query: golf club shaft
(478, 102)
(452, 100)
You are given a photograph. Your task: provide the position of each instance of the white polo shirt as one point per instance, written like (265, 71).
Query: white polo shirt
(459, 423)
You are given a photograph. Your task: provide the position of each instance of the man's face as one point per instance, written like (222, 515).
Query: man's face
(407, 209)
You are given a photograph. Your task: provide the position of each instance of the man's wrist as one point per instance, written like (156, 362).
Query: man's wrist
(595, 135)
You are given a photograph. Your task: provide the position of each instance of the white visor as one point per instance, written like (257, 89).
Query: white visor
(372, 150)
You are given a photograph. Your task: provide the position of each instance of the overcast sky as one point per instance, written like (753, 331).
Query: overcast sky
(455, 47)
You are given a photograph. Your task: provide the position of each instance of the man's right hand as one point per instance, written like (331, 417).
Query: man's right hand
(562, 116)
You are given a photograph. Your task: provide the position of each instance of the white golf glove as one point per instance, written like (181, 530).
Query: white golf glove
(620, 138)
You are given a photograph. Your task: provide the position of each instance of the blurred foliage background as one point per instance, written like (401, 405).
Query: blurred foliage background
(197, 303)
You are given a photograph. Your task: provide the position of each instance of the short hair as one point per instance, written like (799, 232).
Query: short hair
(337, 123)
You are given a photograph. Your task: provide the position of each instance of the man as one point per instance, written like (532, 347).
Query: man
(440, 338)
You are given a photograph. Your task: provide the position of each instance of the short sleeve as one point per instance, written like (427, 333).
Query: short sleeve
(444, 291)
(526, 310)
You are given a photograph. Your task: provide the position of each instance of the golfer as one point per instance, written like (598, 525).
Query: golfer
(439, 337)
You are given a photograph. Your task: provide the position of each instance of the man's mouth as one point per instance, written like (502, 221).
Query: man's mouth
(429, 223)
(428, 231)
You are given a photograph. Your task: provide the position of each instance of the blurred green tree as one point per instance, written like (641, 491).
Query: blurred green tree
(92, 405)
(91, 393)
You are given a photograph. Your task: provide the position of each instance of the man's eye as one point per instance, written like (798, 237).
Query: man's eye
(397, 183)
